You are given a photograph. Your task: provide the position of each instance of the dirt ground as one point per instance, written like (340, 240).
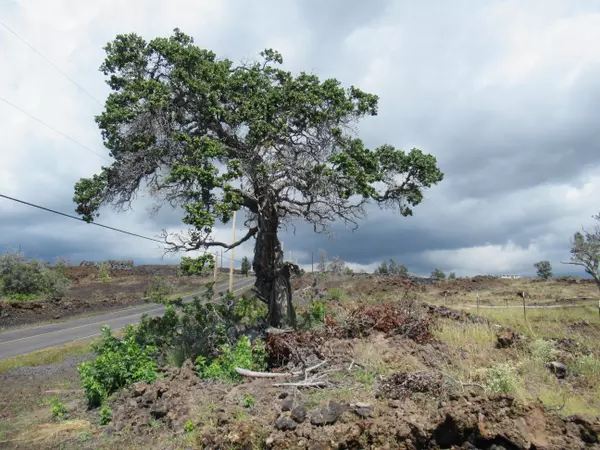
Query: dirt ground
(88, 294)
(392, 373)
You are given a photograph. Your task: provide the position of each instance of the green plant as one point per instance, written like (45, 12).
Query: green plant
(314, 314)
(189, 426)
(159, 289)
(250, 310)
(58, 408)
(246, 266)
(119, 363)
(542, 350)
(105, 414)
(249, 401)
(244, 355)
(335, 294)
(104, 272)
(438, 274)
(588, 366)
(501, 379)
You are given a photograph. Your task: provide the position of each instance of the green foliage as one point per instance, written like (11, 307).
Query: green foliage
(585, 250)
(382, 269)
(542, 350)
(246, 266)
(438, 274)
(249, 401)
(452, 276)
(314, 314)
(334, 294)
(120, 362)
(218, 119)
(544, 269)
(58, 408)
(159, 289)
(104, 272)
(189, 426)
(23, 280)
(337, 266)
(588, 366)
(244, 355)
(501, 379)
(250, 311)
(105, 414)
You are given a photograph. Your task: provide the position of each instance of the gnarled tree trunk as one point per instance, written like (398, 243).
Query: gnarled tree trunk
(272, 276)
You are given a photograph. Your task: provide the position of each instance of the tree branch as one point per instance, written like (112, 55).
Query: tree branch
(188, 247)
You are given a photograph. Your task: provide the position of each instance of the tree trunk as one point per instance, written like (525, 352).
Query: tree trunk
(272, 276)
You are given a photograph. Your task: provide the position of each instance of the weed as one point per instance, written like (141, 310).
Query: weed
(542, 350)
(119, 364)
(58, 408)
(189, 426)
(588, 367)
(105, 414)
(244, 355)
(241, 416)
(501, 379)
(314, 315)
(249, 401)
(335, 294)
(104, 272)
(159, 289)
(250, 311)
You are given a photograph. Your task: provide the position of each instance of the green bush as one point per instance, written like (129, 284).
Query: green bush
(314, 314)
(105, 414)
(244, 355)
(104, 272)
(501, 379)
(189, 426)
(542, 350)
(250, 310)
(119, 364)
(588, 366)
(58, 408)
(29, 280)
(159, 289)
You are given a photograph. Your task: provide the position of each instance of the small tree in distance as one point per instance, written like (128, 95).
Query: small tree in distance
(544, 269)
(452, 276)
(438, 274)
(245, 266)
(382, 269)
(585, 251)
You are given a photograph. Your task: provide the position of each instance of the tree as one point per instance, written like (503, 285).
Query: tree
(322, 266)
(544, 269)
(452, 276)
(585, 251)
(213, 137)
(397, 269)
(382, 269)
(438, 274)
(336, 266)
(245, 266)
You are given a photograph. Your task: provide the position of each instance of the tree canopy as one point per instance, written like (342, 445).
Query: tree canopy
(544, 269)
(213, 137)
(585, 250)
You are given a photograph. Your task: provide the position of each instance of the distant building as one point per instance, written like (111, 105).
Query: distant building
(510, 276)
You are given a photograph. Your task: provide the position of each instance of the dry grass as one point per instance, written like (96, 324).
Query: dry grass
(47, 435)
(51, 355)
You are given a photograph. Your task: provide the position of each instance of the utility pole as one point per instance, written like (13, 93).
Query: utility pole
(312, 262)
(215, 277)
(221, 258)
(231, 263)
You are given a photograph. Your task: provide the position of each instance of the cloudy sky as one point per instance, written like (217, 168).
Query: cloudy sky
(503, 93)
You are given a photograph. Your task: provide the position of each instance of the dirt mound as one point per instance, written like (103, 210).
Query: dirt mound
(399, 386)
(162, 401)
(468, 423)
(454, 314)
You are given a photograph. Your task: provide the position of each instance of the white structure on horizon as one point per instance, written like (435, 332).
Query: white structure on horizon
(510, 276)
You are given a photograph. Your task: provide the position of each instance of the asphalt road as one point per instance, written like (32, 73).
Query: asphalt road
(18, 342)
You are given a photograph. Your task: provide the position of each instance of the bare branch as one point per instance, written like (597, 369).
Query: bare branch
(195, 244)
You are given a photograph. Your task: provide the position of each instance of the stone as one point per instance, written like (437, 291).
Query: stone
(159, 410)
(285, 424)
(363, 412)
(287, 404)
(299, 413)
(324, 416)
(558, 369)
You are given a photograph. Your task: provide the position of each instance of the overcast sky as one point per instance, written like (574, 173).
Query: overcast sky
(504, 93)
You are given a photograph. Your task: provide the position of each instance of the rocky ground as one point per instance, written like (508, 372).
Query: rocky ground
(384, 371)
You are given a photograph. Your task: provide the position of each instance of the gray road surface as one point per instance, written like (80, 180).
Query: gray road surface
(25, 340)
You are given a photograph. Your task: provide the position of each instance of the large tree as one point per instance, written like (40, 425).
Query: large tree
(213, 137)
(585, 251)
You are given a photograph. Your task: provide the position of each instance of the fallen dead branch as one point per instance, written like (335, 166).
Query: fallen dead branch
(252, 374)
(304, 384)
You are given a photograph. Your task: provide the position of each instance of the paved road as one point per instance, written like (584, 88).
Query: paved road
(18, 342)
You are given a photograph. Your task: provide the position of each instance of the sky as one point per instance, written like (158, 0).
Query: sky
(503, 93)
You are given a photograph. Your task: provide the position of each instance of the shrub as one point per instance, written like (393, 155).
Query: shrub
(104, 272)
(28, 280)
(250, 310)
(588, 366)
(501, 379)
(244, 355)
(314, 315)
(58, 408)
(119, 364)
(189, 426)
(335, 293)
(105, 414)
(159, 289)
(249, 401)
(542, 350)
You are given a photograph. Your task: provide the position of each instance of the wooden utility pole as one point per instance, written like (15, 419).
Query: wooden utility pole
(215, 276)
(221, 258)
(231, 262)
(312, 262)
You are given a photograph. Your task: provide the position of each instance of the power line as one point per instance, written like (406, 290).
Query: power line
(54, 129)
(50, 62)
(92, 223)
(79, 218)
